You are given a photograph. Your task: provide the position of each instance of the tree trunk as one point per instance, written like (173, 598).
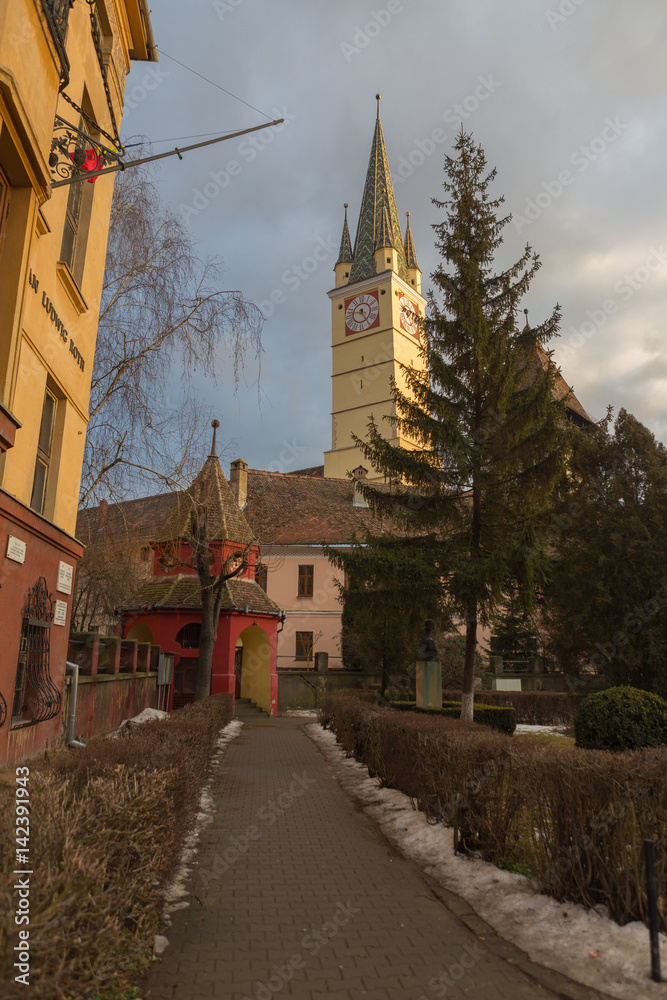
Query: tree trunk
(467, 701)
(206, 643)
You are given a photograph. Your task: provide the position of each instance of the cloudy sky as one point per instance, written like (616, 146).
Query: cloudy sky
(567, 97)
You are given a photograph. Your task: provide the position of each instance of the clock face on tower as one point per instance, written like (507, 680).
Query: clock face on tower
(409, 316)
(361, 313)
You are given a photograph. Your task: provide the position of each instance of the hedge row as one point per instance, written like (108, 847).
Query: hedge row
(533, 708)
(503, 719)
(573, 819)
(106, 830)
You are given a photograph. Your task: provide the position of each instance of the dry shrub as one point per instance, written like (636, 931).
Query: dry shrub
(533, 708)
(106, 827)
(573, 819)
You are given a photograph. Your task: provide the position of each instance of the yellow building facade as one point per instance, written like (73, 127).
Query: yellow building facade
(63, 67)
(377, 308)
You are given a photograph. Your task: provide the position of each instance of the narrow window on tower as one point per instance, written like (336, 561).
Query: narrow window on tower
(305, 585)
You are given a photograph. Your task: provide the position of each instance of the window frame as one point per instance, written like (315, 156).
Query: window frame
(305, 580)
(303, 652)
(43, 458)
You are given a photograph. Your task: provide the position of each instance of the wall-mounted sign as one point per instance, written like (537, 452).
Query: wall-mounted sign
(33, 282)
(15, 549)
(65, 574)
(60, 613)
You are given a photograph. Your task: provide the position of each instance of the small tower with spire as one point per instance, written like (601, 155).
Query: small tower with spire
(345, 257)
(377, 309)
(414, 273)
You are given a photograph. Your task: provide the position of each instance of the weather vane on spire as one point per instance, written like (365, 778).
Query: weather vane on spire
(378, 97)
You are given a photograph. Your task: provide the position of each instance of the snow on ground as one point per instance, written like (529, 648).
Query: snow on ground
(584, 945)
(148, 715)
(523, 728)
(176, 890)
(307, 713)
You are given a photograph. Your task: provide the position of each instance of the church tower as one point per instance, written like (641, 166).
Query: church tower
(376, 308)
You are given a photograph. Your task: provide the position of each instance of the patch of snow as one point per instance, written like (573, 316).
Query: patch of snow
(550, 730)
(306, 713)
(159, 944)
(585, 945)
(148, 715)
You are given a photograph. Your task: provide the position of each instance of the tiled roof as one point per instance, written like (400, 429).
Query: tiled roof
(211, 495)
(134, 519)
(345, 255)
(410, 255)
(384, 236)
(378, 195)
(562, 390)
(314, 470)
(184, 591)
(303, 510)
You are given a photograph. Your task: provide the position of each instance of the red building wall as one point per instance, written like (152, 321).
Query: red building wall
(45, 547)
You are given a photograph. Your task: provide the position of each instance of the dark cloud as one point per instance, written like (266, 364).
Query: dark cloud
(546, 86)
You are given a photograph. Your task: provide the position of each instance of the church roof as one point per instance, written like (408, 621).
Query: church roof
(306, 509)
(211, 496)
(378, 195)
(562, 391)
(345, 255)
(184, 591)
(410, 255)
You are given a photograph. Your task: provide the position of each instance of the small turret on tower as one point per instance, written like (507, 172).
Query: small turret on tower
(414, 272)
(345, 256)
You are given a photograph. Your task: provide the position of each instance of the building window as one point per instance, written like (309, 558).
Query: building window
(79, 208)
(188, 637)
(261, 574)
(44, 448)
(305, 581)
(36, 697)
(304, 646)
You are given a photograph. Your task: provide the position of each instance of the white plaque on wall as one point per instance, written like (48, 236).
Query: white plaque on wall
(15, 549)
(60, 613)
(65, 573)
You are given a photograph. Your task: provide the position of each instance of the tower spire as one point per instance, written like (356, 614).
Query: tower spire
(214, 424)
(378, 195)
(345, 255)
(410, 255)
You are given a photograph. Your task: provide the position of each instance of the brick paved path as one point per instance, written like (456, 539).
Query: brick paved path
(310, 900)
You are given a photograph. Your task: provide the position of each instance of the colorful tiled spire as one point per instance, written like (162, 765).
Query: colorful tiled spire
(378, 196)
(410, 255)
(345, 255)
(384, 237)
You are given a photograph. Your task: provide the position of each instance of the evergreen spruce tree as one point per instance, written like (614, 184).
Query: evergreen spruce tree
(487, 431)
(606, 601)
(390, 589)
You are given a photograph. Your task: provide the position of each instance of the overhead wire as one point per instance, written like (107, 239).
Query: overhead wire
(214, 84)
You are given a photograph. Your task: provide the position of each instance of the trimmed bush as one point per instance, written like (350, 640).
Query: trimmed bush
(534, 708)
(496, 716)
(621, 718)
(575, 819)
(107, 825)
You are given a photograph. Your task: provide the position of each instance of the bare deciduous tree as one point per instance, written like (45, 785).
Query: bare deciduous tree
(162, 315)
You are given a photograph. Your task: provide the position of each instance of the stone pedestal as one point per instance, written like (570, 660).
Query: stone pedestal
(429, 684)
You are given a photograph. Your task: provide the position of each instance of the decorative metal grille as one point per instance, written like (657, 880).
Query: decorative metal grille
(56, 13)
(74, 152)
(3, 710)
(36, 698)
(188, 637)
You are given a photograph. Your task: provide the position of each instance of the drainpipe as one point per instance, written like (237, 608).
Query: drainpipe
(73, 694)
